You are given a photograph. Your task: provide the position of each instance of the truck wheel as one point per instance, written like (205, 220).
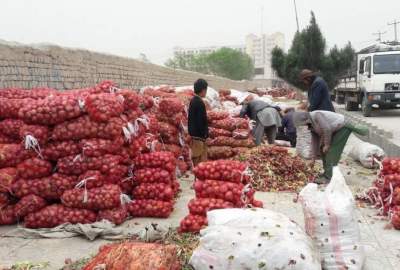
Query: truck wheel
(351, 106)
(339, 99)
(366, 108)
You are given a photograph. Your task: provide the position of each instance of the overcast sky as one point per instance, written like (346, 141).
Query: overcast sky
(154, 27)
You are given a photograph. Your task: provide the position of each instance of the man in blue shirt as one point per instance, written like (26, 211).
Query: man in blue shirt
(318, 94)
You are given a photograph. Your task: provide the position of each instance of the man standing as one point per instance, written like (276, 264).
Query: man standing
(318, 93)
(197, 122)
(267, 118)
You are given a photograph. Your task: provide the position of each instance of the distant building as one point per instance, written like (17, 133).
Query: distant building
(260, 49)
(200, 50)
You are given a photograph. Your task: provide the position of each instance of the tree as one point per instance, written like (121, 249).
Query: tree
(308, 51)
(224, 62)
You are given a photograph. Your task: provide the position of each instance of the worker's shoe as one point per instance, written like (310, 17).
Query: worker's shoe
(321, 180)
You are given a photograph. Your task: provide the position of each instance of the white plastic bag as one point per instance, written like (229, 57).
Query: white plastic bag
(303, 144)
(330, 222)
(212, 98)
(366, 154)
(239, 239)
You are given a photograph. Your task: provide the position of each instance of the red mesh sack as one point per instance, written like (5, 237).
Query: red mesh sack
(91, 179)
(4, 199)
(103, 107)
(220, 152)
(51, 110)
(395, 218)
(173, 148)
(29, 204)
(231, 124)
(9, 107)
(101, 147)
(164, 160)
(217, 115)
(156, 191)
(153, 175)
(34, 93)
(40, 133)
(131, 99)
(34, 168)
(116, 174)
(13, 154)
(391, 166)
(136, 256)
(7, 215)
(7, 177)
(150, 208)
(56, 214)
(249, 143)
(175, 120)
(241, 134)
(202, 206)
(146, 102)
(116, 216)
(11, 127)
(396, 196)
(225, 170)
(49, 188)
(227, 191)
(56, 150)
(193, 223)
(167, 130)
(84, 128)
(171, 106)
(4, 139)
(77, 165)
(105, 197)
(217, 132)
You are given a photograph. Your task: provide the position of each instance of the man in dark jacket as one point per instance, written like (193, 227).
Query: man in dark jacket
(197, 122)
(288, 130)
(318, 93)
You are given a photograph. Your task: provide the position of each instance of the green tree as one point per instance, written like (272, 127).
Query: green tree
(225, 62)
(308, 50)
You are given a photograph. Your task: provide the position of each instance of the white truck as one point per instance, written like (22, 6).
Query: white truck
(374, 81)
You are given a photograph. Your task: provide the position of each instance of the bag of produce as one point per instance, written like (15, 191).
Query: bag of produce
(366, 154)
(150, 208)
(303, 144)
(331, 222)
(253, 239)
(192, 223)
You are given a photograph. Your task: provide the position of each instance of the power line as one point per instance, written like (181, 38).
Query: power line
(379, 34)
(395, 23)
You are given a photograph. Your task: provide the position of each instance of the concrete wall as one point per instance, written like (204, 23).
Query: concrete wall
(62, 68)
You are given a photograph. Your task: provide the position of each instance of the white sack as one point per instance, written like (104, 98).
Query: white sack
(330, 221)
(241, 239)
(303, 144)
(365, 153)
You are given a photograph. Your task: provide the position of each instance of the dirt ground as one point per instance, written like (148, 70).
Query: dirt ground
(381, 244)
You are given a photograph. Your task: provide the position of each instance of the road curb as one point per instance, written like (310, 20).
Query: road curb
(376, 135)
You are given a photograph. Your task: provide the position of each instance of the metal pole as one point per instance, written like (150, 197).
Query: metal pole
(395, 23)
(297, 17)
(379, 34)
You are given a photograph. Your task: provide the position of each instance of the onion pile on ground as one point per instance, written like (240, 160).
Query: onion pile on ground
(273, 168)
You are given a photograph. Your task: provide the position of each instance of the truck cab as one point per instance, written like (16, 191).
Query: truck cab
(376, 82)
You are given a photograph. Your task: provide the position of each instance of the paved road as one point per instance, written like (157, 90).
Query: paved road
(388, 120)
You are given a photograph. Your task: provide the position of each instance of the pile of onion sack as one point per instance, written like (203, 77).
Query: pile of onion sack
(229, 136)
(170, 109)
(219, 184)
(70, 156)
(274, 168)
(385, 192)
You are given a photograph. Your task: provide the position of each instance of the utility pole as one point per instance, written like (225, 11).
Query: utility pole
(395, 23)
(379, 34)
(297, 17)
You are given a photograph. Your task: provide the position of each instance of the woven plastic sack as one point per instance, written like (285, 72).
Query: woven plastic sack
(244, 239)
(331, 222)
(366, 154)
(303, 145)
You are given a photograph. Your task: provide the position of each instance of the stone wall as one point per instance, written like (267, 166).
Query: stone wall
(62, 68)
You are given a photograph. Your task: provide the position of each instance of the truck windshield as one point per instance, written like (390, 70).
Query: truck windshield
(388, 63)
